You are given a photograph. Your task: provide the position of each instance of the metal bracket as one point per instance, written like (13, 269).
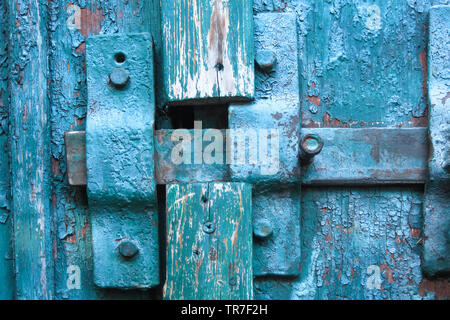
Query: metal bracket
(120, 161)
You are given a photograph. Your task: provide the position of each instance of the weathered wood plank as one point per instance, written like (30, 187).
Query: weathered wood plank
(363, 63)
(357, 243)
(207, 50)
(6, 258)
(209, 241)
(436, 254)
(30, 150)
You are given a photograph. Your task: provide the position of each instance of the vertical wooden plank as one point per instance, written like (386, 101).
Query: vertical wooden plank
(209, 241)
(436, 253)
(30, 149)
(207, 50)
(6, 259)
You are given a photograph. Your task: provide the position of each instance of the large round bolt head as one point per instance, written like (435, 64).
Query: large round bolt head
(119, 78)
(266, 60)
(128, 249)
(262, 229)
(310, 145)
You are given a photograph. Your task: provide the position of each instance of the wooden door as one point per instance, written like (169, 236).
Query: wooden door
(364, 219)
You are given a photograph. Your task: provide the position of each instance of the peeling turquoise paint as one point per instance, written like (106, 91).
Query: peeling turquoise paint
(359, 67)
(6, 253)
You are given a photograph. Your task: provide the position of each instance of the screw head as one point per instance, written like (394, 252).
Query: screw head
(266, 60)
(209, 227)
(119, 78)
(262, 229)
(128, 249)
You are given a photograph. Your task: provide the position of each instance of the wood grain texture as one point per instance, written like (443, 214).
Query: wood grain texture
(348, 234)
(6, 254)
(30, 150)
(363, 63)
(436, 254)
(215, 264)
(207, 50)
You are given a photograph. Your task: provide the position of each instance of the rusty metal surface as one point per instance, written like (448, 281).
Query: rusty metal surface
(368, 157)
(75, 142)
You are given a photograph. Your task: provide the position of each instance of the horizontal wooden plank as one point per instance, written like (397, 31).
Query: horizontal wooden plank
(349, 157)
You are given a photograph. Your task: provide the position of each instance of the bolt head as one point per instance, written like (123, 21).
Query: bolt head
(266, 60)
(262, 229)
(311, 145)
(128, 249)
(119, 78)
(209, 227)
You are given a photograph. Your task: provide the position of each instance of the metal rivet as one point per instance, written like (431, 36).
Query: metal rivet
(209, 227)
(128, 249)
(262, 229)
(310, 146)
(119, 78)
(266, 60)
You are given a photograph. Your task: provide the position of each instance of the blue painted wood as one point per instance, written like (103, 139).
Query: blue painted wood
(436, 252)
(30, 150)
(6, 254)
(358, 243)
(207, 51)
(209, 242)
(352, 74)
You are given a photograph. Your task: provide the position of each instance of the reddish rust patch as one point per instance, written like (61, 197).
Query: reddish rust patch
(387, 272)
(441, 287)
(333, 123)
(70, 238)
(81, 47)
(423, 62)
(314, 99)
(415, 232)
(325, 273)
(25, 113)
(84, 229)
(90, 21)
(55, 167)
